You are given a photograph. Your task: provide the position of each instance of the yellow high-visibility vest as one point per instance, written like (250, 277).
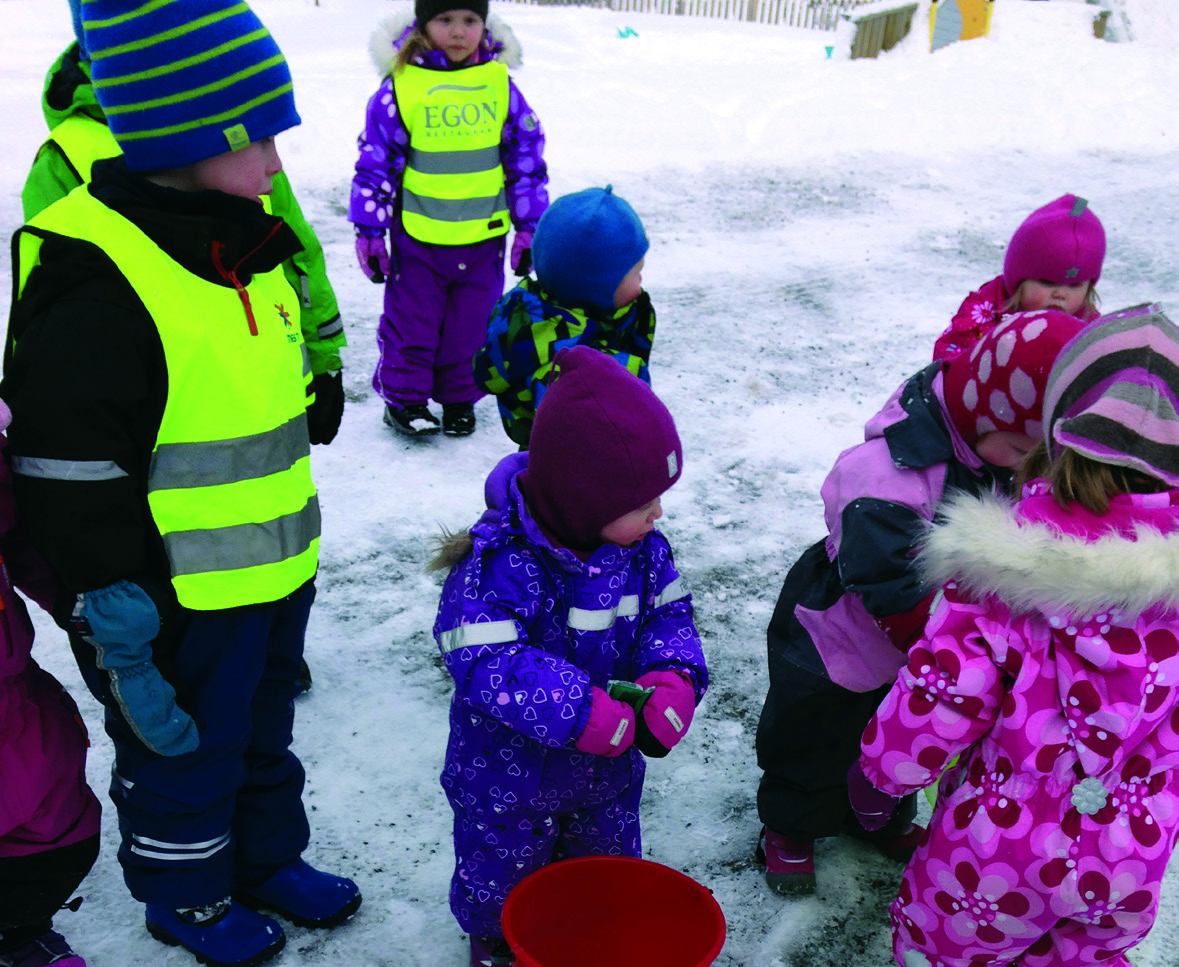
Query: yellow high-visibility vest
(229, 485)
(452, 192)
(84, 140)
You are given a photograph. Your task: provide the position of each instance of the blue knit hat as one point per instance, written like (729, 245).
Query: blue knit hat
(584, 245)
(76, 16)
(182, 81)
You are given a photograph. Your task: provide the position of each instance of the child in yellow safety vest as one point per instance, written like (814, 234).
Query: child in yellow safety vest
(444, 171)
(159, 381)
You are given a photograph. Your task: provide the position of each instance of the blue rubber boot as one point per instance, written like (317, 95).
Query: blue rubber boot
(237, 938)
(303, 895)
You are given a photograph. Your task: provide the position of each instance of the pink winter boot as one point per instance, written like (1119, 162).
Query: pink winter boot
(49, 948)
(790, 864)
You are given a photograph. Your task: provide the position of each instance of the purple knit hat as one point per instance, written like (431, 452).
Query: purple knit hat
(1062, 242)
(602, 445)
(1113, 394)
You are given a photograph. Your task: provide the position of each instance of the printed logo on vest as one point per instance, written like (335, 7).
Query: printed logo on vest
(286, 321)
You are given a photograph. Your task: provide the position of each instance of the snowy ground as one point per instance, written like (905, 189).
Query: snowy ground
(814, 224)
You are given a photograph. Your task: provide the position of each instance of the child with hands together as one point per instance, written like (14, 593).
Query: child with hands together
(563, 590)
(451, 157)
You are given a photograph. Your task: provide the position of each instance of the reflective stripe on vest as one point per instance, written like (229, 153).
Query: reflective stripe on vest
(84, 140)
(229, 484)
(452, 191)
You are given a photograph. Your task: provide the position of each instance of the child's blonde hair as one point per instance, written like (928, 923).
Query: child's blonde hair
(1079, 479)
(416, 42)
(1092, 300)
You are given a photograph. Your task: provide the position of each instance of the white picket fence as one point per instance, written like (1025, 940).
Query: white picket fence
(817, 14)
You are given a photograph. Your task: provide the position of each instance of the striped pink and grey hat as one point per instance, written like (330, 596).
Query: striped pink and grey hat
(1113, 394)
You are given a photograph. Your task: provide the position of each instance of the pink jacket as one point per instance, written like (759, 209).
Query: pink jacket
(1050, 667)
(45, 802)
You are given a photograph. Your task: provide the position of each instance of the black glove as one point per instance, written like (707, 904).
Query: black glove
(324, 415)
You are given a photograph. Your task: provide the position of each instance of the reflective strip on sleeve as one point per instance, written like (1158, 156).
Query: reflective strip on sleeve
(332, 327)
(595, 619)
(67, 469)
(673, 592)
(481, 633)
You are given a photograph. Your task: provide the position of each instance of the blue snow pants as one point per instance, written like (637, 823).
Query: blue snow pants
(231, 811)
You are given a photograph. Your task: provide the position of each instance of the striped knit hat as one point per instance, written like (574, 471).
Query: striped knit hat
(76, 17)
(1113, 394)
(181, 81)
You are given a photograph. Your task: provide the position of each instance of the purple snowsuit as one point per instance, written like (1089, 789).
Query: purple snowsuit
(438, 298)
(526, 629)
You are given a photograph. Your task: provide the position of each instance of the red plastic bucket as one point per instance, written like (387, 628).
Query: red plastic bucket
(612, 911)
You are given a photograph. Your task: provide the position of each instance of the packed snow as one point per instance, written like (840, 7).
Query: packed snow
(814, 223)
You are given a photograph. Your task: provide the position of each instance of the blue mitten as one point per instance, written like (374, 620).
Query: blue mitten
(121, 621)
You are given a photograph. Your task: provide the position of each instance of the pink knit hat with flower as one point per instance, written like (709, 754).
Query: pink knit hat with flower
(1063, 242)
(999, 384)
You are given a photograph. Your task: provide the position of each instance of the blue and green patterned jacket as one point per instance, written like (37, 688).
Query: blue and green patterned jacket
(524, 334)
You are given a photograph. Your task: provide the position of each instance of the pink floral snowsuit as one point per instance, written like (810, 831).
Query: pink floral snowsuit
(1050, 667)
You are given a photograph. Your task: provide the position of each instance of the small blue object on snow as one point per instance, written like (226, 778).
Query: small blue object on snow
(625, 32)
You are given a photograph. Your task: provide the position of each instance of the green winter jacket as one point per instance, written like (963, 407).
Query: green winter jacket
(524, 335)
(68, 93)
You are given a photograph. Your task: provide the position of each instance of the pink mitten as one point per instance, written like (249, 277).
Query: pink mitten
(667, 713)
(373, 256)
(521, 257)
(610, 730)
(872, 807)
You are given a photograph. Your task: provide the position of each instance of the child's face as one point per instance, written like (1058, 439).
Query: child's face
(246, 173)
(1042, 294)
(1002, 448)
(456, 33)
(633, 527)
(629, 288)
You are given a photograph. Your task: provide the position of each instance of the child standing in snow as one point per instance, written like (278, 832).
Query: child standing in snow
(854, 602)
(588, 251)
(48, 815)
(1053, 261)
(450, 157)
(1049, 666)
(158, 382)
(563, 586)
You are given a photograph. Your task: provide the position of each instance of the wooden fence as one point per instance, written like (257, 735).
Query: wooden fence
(816, 14)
